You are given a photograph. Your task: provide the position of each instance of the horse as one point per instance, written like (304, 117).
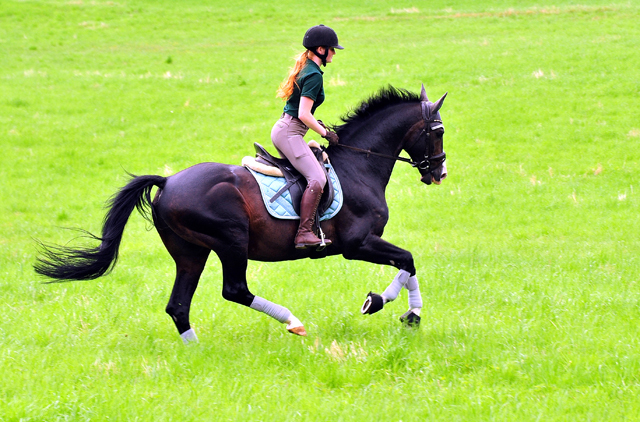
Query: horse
(218, 207)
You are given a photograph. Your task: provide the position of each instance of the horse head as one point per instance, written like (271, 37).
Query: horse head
(425, 141)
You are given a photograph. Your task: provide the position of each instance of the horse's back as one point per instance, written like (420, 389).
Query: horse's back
(198, 181)
(224, 203)
(200, 188)
(201, 176)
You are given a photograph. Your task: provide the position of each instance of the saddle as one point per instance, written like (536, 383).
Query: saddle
(295, 182)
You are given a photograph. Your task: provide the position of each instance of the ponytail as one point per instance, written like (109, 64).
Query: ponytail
(286, 87)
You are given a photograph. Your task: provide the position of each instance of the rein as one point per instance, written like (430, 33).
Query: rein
(369, 152)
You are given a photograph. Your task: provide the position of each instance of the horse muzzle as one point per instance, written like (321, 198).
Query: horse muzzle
(435, 176)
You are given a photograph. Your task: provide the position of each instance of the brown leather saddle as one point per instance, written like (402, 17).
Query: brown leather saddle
(295, 182)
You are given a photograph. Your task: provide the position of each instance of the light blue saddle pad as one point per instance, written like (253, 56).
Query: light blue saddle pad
(283, 207)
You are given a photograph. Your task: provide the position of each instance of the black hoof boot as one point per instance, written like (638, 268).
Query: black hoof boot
(410, 319)
(372, 304)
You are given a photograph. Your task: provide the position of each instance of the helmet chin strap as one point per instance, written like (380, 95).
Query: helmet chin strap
(322, 57)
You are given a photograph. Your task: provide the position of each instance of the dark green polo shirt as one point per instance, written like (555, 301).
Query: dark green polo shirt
(308, 84)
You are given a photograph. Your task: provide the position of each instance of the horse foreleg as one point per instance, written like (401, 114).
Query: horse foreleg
(403, 279)
(375, 302)
(412, 316)
(376, 250)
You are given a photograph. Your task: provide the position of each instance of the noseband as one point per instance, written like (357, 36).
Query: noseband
(425, 163)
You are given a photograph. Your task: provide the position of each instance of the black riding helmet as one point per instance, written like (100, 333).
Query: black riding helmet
(321, 36)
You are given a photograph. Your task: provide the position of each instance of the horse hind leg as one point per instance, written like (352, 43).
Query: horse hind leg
(235, 289)
(188, 272)
(190, 261)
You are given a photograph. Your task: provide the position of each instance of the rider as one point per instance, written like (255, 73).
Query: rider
(303, 92)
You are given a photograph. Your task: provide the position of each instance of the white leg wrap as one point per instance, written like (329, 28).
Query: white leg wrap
(415, 299)
(392, 292)
(274, 310)
(293, 322)
(189, 336)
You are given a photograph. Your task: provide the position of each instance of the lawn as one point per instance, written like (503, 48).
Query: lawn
(527, 254)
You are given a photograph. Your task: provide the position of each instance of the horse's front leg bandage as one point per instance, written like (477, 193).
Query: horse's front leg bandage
(415, 299)
(392, 292)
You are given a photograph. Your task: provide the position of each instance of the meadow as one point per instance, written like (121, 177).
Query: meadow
(527, 254)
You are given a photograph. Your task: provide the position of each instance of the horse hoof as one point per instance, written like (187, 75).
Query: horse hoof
(372, 304)
(410, 319)
(299, 331)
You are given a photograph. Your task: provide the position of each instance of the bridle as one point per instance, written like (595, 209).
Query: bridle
(426, 162)
(429, 162)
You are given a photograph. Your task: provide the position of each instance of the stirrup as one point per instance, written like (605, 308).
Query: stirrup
(319, 246)
(323, 241)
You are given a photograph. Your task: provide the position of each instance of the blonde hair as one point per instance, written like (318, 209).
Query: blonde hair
(286, 87)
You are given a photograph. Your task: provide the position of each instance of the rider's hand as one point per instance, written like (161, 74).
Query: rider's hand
(332, 137)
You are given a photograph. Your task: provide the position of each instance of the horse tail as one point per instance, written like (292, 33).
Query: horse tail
(64, 263)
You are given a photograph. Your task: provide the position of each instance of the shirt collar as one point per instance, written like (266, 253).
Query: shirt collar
(314, 64)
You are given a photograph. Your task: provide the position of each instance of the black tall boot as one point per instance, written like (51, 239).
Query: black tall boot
(308, 206)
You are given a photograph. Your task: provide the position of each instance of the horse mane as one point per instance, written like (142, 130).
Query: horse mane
(386, 97)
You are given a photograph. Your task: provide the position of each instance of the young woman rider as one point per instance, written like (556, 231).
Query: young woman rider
(303, 92)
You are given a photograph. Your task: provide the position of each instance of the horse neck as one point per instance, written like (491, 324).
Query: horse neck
(385, 129)
(382, 133)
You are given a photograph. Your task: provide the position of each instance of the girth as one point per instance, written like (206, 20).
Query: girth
(295, 182)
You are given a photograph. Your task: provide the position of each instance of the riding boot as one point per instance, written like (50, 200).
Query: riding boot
(308, 206)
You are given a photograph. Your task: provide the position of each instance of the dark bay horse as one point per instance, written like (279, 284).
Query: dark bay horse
(218, 207)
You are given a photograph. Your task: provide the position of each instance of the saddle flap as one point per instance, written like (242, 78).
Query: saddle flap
(282, 207)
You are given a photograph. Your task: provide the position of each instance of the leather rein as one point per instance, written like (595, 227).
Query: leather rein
(425, 164)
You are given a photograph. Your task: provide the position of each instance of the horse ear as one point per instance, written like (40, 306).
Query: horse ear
(436, 106)
(423, 94)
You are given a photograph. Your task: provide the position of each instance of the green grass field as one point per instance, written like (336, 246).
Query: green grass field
(528, 254)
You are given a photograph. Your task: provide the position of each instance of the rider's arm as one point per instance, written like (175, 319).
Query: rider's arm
(304, 114)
